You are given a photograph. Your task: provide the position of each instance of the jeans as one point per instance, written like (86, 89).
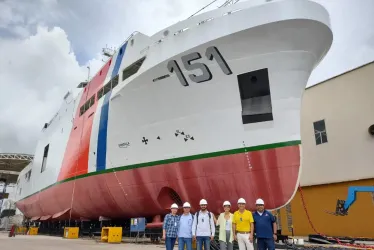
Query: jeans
(185, 241)
(170, 242)
(226, 245)
(265, 243)
(200, 240)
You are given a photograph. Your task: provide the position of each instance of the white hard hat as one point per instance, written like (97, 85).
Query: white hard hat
(260, 202)
(174, 206)
(203, 202)
(186, 204)
(226, 203)
(241, 200)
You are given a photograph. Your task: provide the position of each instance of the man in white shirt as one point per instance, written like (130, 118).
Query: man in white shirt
(203, 226)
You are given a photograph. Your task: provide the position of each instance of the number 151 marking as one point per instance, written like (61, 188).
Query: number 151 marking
(211, 53)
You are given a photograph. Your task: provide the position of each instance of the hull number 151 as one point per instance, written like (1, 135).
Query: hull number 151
(211, 53)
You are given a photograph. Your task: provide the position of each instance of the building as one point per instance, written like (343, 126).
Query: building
(337, 152)
(10, 167)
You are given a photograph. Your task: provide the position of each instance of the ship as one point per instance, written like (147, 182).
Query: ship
(206, 108)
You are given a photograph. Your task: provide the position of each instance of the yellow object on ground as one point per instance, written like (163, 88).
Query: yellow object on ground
(111, 234)
(33, 231)
(71, 232)
(21, 230)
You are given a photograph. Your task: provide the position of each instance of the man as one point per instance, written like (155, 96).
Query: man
(265, 227)
(203, 227)
(170, 227)
(185, 228)
(242, 227)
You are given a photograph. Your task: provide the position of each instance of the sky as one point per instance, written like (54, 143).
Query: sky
(46, 46)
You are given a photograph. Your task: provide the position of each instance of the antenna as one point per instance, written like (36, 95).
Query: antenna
(88, 77)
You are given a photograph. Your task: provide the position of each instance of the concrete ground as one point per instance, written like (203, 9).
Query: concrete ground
(40, 242)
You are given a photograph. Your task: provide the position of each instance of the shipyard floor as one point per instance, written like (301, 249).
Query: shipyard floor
(41, 242)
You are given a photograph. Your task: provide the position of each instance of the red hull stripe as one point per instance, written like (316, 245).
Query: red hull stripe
(147, 191)
(174, 160)
(75, 160)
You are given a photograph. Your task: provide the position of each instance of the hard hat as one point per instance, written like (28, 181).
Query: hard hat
(226, 203)
(174, 206)
(186, 204)
(203, 202)
(260, 202)
(241, 200)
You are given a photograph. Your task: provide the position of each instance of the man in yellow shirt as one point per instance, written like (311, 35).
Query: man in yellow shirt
(242, 226)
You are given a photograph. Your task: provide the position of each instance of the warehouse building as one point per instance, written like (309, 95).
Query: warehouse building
(337, 153)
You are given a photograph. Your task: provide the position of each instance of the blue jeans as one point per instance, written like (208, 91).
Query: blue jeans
(200, 240)
(170, 242)
(182, 241)
(265, 243)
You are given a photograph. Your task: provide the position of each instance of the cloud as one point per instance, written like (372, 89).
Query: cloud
(35, 74)
(353, 43)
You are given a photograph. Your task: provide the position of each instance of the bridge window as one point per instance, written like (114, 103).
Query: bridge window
(108, 87)
(320, 134)
(132, 69)
(45, 156)
(255, 96)
(89, 103)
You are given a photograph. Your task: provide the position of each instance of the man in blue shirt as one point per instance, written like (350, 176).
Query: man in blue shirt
(170, 227)
(265, 227)
(185, 228)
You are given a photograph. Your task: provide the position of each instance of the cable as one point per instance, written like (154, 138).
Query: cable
(315, 230)
(202, 8)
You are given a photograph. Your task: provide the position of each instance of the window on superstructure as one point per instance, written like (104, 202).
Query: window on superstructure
(254, 89)
(132, 69)
(107, 87)
(320, 134)
(115, 81)
(100, 93)
(81, 112)
(88, 104)
(45, 156)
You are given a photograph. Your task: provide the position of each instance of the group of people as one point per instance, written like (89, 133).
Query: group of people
(239, 226)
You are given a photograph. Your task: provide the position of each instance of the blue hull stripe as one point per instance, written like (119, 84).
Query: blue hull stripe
(103, 126)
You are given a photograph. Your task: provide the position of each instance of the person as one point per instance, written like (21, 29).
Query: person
(185, 228)
(170, 227)
(242, 226)
(265, 227)
(203, 227)
(224, 222)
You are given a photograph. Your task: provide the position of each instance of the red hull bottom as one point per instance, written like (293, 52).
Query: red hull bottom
(272, 175)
